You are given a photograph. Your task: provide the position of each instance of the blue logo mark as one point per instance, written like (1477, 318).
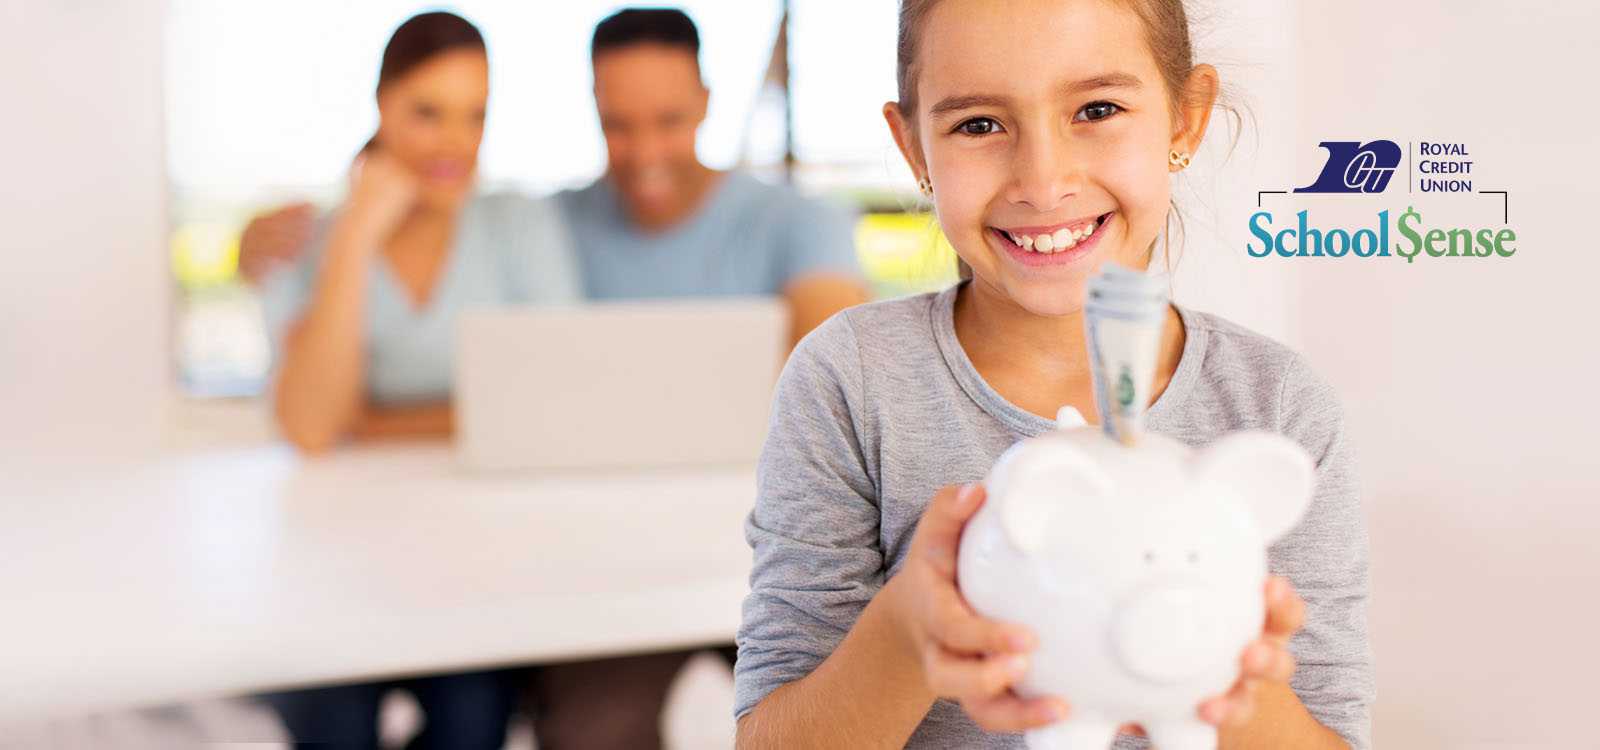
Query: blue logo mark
(1353, 167)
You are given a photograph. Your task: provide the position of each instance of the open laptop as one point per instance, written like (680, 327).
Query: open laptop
(617, 385)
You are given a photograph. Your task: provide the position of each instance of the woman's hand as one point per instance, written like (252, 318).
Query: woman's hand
(382, 191)
(964, 657)
(1267, 659)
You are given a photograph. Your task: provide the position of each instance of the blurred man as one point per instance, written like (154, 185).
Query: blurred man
(662, 224)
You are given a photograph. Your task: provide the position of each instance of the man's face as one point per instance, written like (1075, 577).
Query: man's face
(651, 103)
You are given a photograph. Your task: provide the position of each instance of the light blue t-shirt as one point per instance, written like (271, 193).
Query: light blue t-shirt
(749, 238)
(509, 249)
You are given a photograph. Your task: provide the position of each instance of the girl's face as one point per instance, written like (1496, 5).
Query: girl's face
(1044, 123)
(431, 119)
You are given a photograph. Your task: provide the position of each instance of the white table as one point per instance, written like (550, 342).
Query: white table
(238, 571)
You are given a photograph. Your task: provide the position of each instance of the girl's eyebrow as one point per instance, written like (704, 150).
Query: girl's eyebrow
(967, 101)
(1113, 80)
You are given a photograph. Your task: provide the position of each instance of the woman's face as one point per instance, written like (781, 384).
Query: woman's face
(1042, 123)
(431, 119)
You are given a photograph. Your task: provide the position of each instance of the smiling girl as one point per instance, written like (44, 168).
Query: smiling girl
(1046, 134)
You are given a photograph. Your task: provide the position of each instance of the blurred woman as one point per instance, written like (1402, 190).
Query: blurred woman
(362, 323)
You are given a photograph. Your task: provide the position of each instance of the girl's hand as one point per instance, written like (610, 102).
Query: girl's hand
(382, 191)
(963, 657)
(1266, 659)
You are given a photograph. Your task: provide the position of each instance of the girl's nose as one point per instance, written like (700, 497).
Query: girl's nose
(1043, 172)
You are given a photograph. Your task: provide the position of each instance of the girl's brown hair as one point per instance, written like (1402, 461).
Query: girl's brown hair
(1166, 26)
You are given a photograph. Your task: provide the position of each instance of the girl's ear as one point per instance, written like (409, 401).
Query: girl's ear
(905, 138)
(1199, 95)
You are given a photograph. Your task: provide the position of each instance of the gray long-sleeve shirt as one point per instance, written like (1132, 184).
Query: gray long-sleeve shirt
(880, 407)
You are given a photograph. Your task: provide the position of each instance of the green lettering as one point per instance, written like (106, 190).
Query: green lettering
(1409, 233)
(1485, 244)
(1434, 235)
(1500, 240)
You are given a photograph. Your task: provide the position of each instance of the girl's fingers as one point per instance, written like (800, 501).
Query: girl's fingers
(1007, 712)
(965, 678)
(1233, 709)
(939, 530)
(1286, 611)
(1240, 703)
(1267, 660)
(957, 628)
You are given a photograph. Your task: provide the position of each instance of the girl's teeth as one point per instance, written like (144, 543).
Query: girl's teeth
(1055, 242)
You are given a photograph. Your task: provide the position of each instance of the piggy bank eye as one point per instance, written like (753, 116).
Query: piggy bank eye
(1194, 556)
(1149, 556)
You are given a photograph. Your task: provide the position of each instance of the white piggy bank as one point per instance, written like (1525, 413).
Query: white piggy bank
(1141, 569)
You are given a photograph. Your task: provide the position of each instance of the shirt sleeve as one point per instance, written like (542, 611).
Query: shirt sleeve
(818, 238)
(814, 529)
(287, 290)
(543, 263)
(1326, 557)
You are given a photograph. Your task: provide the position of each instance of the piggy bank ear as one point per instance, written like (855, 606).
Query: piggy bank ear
(1269, 473)
(1038, 483)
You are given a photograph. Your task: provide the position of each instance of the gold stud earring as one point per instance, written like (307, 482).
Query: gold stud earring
(1179, 160)
(925, 185)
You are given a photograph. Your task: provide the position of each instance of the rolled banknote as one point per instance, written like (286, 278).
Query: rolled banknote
(1123, 316)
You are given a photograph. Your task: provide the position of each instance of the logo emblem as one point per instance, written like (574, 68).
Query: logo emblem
(1353, 167)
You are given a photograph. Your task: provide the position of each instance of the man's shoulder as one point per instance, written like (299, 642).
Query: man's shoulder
(584, 197)
(776, 199)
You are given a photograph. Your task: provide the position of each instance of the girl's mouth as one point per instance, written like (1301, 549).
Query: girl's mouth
(1054, 245)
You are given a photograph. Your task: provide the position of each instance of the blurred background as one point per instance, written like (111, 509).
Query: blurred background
(234, 149)
(142, 136)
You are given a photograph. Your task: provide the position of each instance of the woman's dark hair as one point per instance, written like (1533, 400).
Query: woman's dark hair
(420, 39)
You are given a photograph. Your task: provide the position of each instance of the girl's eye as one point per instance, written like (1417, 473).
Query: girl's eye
(978, 126)
(1096, 111)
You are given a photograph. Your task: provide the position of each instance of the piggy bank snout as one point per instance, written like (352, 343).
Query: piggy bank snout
(1167, 634)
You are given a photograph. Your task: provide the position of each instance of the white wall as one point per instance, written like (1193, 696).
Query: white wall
(83, 298)
(1469, 383)
(1258, 66)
